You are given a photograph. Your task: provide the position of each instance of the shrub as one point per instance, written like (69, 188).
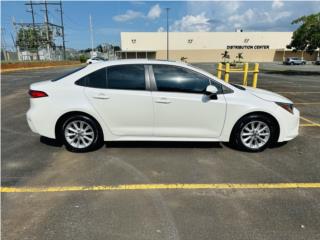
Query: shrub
(83, 58)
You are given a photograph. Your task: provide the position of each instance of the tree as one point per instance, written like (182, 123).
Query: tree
(225, 55)
(239, 57)
(32, 39)
(307, 36)
(99, 48)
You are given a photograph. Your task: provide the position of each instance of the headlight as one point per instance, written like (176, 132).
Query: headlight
(286, 106)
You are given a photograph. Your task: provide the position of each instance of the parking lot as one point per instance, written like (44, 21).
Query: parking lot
(114, 193)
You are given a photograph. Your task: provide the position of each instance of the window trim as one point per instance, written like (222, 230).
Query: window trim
(146, 78)
(154, 83)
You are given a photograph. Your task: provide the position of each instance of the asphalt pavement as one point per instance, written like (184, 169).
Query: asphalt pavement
(150, 213)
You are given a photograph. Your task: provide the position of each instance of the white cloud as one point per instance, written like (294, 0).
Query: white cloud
(129, 15)
(277, 4)
(252, 19)
(154, 12)
(190, 23)
(161, 29)
(230, 7)
(247, 16)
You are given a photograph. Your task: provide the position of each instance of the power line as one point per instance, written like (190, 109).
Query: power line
(46, 23)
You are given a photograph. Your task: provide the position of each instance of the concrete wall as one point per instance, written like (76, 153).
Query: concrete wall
(208, 46)
(215, 55)
(155, 41)
(195, 56)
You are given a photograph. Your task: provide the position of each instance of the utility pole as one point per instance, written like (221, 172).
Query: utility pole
(16, 32)
(3, 44)
(91, 33)
(34, 28)
(47, 27)
(167, 9)
(47, 24)
(62, 28)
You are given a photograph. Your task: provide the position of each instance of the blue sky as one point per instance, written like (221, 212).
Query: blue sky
(112, 17)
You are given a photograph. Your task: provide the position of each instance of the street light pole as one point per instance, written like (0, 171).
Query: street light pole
(91, 34)
(167, 9)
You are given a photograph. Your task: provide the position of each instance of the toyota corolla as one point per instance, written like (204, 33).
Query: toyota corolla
(149, 100)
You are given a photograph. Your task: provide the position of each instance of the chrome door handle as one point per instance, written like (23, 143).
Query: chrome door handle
(101, 96)
(163, 100)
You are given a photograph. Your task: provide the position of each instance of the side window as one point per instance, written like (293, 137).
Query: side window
(96, 79)
(129, 77)
(178, 79)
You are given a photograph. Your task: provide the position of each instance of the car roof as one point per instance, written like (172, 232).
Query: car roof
(133, 61)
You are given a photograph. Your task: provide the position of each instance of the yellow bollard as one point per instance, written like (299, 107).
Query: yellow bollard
(219, 70)
(255, 75)
(245, 74)
(226, 74)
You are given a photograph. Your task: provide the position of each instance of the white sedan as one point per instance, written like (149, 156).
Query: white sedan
(95, 60)
(148, 100)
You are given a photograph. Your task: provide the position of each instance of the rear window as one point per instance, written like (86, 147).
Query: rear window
(125, 77)
(96, 79)
(67, 74)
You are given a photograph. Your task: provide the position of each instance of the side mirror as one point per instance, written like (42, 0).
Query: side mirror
(211, 92)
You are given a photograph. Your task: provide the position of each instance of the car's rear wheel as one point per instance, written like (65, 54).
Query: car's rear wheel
(254, 133)
(81, 134)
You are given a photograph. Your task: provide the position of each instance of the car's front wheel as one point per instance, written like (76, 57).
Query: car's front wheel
(254, 133)
(81, 134)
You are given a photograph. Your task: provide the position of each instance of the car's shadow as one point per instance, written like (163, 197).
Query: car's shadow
(143, 144)
(153, 144)
(160, 144)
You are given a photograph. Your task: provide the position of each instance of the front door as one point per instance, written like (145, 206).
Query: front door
(181, 108)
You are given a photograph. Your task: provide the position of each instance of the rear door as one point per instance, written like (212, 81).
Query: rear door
(119, 95)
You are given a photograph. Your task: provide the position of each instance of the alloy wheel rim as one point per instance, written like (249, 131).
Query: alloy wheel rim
(79, 134)
(255, 134)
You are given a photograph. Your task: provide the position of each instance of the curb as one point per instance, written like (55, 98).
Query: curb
(35, 68)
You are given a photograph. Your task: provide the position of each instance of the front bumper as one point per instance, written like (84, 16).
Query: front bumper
(290, 126)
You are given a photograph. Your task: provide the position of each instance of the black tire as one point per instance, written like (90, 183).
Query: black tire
(94, 131)
(292, 63)
(238, 143)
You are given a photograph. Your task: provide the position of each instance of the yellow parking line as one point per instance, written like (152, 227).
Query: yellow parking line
(306, 103)
(298, 92)
(160, 186)
(309, 121)
(309, 125)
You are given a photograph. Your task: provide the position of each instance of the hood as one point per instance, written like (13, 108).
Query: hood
(267, 95)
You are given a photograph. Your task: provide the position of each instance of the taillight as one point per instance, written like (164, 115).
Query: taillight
(37, 94)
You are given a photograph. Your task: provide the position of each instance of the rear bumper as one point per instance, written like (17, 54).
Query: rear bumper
(41, 122)
(30, 123)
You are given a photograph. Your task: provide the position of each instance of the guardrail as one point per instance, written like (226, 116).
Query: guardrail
(245, 70)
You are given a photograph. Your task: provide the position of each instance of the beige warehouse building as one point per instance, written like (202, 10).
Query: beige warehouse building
(208, 46)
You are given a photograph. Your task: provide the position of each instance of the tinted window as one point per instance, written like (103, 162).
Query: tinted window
(179, 79)
(96, 79)
(130, 77)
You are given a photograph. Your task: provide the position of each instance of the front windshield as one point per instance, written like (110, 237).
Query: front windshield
(238, 86)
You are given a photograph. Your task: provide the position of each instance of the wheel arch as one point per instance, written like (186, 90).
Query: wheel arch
(271, 117)
(66, 115)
